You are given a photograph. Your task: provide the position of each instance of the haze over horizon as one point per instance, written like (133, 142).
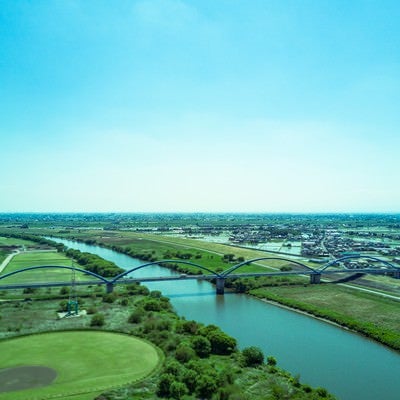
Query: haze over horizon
(185, 106)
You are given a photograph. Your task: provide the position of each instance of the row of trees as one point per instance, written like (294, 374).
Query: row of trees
(94, 263)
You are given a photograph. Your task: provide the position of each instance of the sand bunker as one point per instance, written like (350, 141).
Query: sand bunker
(27, 377)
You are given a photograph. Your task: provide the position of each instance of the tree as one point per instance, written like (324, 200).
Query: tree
(173, 368)
(221, 343)
(206, 387)
(177, 390)
(190, 379)
(228, 257)
(164, 385)
(190, 327)
(252, 356)
(201, 346)
(184, 353)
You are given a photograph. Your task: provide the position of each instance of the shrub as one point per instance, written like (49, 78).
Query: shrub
(271, 361)
(91, 310)
(322, 392)
(64, 290)
(97, 320)
(152, 305)
(109, 297)
(63, 306)
(124, 302)
(136, 316)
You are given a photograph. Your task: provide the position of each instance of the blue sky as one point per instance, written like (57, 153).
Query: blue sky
(212, 105)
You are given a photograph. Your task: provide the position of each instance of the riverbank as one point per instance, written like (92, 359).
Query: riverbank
(384, 330)
(277, 304)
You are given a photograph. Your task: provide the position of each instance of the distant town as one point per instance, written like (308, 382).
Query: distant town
(318, 237)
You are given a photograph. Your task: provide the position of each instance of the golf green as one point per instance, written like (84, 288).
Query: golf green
(84, 361)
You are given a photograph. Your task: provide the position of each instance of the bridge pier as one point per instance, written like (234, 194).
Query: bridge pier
(315, 278)
(220, 285)
(109, 287)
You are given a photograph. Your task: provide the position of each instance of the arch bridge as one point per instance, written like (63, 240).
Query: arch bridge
(337, 266)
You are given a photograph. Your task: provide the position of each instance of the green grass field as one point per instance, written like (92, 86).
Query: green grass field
(29, 259)
(4, 241)
(380, 311)
(86, 362)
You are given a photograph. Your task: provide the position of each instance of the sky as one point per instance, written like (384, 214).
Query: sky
(199, 106)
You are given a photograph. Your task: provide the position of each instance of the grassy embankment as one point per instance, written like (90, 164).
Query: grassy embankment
(29, 259)
(201, 362)
(372, 315)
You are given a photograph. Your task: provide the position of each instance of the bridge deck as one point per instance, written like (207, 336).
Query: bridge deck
(126, 281)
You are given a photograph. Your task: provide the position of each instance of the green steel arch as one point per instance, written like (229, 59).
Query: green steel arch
(55, 266)
(228, 271)
(125, 273)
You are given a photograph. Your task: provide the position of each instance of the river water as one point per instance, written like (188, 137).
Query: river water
(348, 365)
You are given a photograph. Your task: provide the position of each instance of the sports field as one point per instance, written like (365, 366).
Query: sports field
(84, 362)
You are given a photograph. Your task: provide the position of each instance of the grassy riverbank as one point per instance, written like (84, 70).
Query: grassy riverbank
(373, 316)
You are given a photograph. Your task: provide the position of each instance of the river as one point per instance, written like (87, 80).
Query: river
(347, 364)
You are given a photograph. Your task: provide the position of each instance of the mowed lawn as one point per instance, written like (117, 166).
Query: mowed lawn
(35, 258)
(85, 361)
